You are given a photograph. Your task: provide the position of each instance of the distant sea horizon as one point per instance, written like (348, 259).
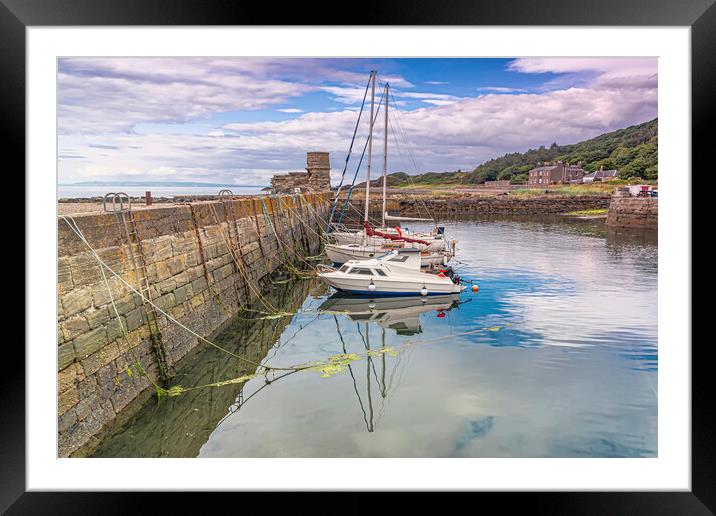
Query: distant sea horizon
(99, 189)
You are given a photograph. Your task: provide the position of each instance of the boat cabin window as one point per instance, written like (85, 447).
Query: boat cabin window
(380, 272)
(344, 268)
(360, 270)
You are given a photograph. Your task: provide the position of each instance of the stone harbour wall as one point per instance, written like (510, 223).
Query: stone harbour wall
(191, 274)
(633, 212)
(503, 205)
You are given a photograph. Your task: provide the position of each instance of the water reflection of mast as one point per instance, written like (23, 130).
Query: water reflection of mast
(350, 370)
(369, 363)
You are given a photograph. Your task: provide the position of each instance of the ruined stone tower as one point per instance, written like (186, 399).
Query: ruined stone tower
(319, 171)
(316, 178)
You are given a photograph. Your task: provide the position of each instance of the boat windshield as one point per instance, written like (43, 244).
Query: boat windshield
(361, 270)
(344, 268)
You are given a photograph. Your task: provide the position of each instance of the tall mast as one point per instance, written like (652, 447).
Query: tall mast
(370, 145)
(385, 151)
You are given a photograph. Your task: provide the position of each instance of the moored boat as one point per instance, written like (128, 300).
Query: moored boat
(342, 253)
(394, 274)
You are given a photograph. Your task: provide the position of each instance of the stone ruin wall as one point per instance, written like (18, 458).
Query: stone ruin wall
(192, 276)
(317, 177)
(633, 212)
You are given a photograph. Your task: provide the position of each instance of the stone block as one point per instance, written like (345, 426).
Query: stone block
(67, 399)
(85, 406)
(64, 276)
(182, 279)
(160, 249)
(87, 387)
(196, 301)
(97, 317)
(165, 302)
(135, 319)
(199, 285)
(92, 363)
(65, 355)
(76, 301)
(87, 344)
(85, 269)
(113, 257)
(72, 439)
(176, 265)
(66, 420)
(66, 378)
(125, 394)
(100, 294)
(74, 327)
(193, 258)
(182, 293)
(124, 304)
(177, 312)
(114, 329)
(106, 375)
(100, 416)
(167, 286)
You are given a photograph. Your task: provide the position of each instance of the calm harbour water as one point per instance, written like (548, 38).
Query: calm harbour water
(555, 356)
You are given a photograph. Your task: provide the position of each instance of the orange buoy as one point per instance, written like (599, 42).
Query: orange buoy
(474, 288)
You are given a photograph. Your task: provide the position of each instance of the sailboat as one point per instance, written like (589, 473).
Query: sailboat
(369, 242)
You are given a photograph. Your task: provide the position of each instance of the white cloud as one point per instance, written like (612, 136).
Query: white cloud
(438, 102)
(290, 110)
(502, 89)
(116, 94)
(622, 72)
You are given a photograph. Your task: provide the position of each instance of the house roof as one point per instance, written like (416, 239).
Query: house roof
(602, 173)
(544, 168)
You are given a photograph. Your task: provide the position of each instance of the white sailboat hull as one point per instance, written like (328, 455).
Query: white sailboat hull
(346, 238)
(346, 252)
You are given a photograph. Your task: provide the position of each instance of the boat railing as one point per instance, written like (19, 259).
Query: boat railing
(337, 226)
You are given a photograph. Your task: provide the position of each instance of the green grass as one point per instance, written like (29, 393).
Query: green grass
(572, 190)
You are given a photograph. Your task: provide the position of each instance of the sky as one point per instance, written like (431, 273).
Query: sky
(241, 120)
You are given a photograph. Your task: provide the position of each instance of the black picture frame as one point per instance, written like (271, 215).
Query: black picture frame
(700, 15)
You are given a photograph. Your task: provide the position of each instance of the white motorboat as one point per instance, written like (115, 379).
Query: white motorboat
(342, 253)
(394, 274)
(401, 314)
